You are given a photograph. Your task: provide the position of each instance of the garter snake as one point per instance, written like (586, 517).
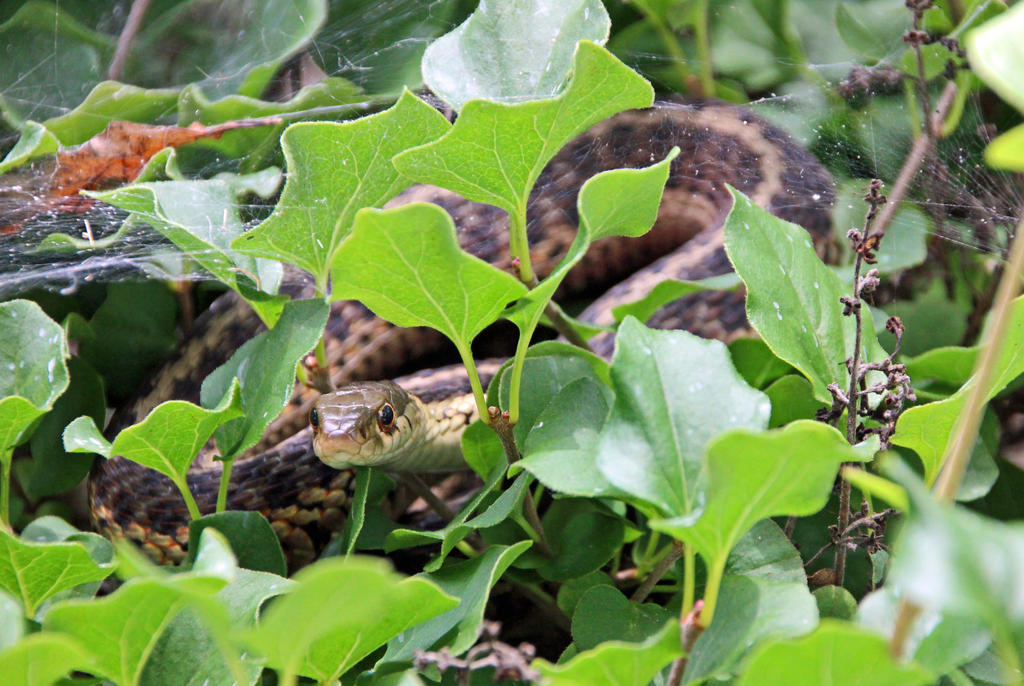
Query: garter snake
(304, 499)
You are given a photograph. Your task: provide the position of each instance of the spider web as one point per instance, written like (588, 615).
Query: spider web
(376, 46)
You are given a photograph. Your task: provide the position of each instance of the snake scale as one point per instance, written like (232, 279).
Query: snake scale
(306, 501)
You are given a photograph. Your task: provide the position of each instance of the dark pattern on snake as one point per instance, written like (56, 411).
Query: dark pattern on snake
(305, 500)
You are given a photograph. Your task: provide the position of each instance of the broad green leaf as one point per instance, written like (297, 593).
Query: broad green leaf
(674, 392)
(471, 583)
(232, 46)
(571, 592)
(671, 290)
(202, 218)
(1007, 151)
(334, 170)
(130, 333)
(932, 321)
(265, 369)
(111, 101)
(52, 469)
(835, 602)
(951, 365)
(836, 654)
(980, 559)
(996, 53)
(792, 297)
(32, 370)
(167, 440)
(906, 237)
(511, 52)
(119, 631)
(604, 613)
(618, 202)
(935, 642)
(750, 610)
(30, 36)
(41, 660)
(756, 362)
(405, 264)
(615, 663)
(252, 540)
(32, 572)
(926, 429)
(187, 654)
(875, 38)
(765, 552)
(340, 611)
(582, 534)
(752, 476)
(791, 399)
(12, 621)
(35, 141)
(501, 149)
(260, 143)
(464, 522)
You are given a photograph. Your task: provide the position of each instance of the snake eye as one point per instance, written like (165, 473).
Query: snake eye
(314, 419)
(386, 417)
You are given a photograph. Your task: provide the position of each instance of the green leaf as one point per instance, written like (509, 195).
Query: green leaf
(35, 141)
(791, 399)
(53, 470)
(617, 202)
(980, 559)
(251, 537)
(615, 663)
(756, 362)
(996, 53)
(33, 572)
(1007, 150)
(29, 37)
(265, 369)
(765, 552)
(603, 613)
(202, 218)
(837, 654)
(232, 47)
(41, 660)
(471, 583)
(340, 611)
(750, 610)
(120, 630)
(867, 40)
(752, 476)
(32, 370)
(583, 536)
(792, 297)
(111, 101)
(405, 264)
(835, 602)
(652, 446)
(12, 621)
(669, 291)
(333, 171)
(187, 652)
(926, 429)
(167, 440)
(951, 365)
(501, 149)
(510, 52)
(132, 331)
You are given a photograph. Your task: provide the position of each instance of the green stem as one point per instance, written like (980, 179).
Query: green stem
(190, 501)
(225, 480)
(474, 382)
(518, 363)
(689, 582)
(519, 246)
(715, 574)
(5, 488)
(700, 34)
(671, 44)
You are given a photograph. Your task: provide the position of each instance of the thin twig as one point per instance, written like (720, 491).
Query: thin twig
(124, 41)
(659, 570)
(499, 422)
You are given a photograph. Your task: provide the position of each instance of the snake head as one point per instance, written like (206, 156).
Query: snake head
(363, 424)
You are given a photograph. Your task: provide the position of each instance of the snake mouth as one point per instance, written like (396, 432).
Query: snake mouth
(340, 449)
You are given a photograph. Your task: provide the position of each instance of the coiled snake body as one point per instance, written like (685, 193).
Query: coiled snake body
(305, 500)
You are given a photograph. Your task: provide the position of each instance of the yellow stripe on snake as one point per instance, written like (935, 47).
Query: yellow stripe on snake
(306, 500)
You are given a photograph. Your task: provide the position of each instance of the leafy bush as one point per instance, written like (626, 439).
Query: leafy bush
(685, 470)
